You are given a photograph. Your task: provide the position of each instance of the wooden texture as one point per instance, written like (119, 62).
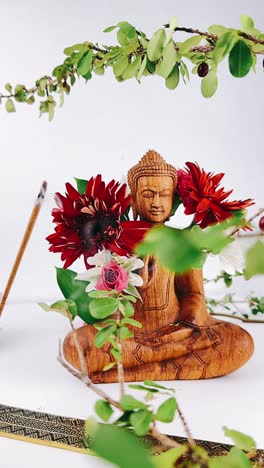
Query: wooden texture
(179, 338)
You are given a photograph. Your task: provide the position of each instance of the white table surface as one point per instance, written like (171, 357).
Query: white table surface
(32, 378)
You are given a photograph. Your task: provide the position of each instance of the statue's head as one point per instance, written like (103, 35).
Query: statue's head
(152, 183)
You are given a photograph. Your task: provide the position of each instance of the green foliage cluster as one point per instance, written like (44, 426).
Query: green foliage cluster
(137, 415)
(116, 329)
(137, 56)
(139, 418)
(180, 250)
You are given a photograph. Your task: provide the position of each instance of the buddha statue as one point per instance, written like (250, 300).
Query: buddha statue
(179, 338)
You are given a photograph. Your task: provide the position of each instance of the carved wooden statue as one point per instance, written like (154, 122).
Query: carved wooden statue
(179, 338)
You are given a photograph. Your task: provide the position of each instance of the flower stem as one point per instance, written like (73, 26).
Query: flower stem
(120, 367)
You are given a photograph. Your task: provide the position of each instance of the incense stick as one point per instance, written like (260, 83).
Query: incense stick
(22, 248)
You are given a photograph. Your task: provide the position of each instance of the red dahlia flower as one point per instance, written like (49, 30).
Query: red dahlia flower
(90, 222)
(201, 196)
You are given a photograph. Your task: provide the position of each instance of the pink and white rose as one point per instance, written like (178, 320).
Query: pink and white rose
(113, 276)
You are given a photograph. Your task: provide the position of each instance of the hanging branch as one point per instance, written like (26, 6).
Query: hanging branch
(137, 56)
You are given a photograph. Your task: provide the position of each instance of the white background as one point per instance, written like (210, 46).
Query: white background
(106, 127)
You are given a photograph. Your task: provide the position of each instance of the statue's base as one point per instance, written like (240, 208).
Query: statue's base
(187, 352)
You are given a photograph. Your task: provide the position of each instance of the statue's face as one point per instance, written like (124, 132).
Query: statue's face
(154, 198)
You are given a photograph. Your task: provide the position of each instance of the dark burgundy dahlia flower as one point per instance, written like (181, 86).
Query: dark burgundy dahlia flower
(86, 223)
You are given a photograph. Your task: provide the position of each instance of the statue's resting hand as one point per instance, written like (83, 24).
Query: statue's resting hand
(180, 332)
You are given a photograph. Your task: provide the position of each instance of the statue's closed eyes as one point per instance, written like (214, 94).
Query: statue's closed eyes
(179, 338)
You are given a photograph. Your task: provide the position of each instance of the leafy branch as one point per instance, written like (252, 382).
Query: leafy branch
(233, 307)
(137, 56)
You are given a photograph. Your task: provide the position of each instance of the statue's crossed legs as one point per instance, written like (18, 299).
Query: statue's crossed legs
(180, 351)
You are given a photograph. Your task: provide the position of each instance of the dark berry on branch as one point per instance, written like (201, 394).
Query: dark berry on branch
(203, 69)
(261, 224)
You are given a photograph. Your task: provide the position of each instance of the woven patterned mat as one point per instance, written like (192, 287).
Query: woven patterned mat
(67, 433)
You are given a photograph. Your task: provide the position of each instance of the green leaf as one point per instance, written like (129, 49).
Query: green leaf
(127, 29)
(241, 441)
(84, 66)
(142, 68)
(120, 65)
(187, 45)
(224, 45)
(150, 383)
(150, 67)
(40, 93)
(51, 110)
(184, 71)
(61, 99)
(103, 410)
(109, 29)
(145, 389)
(128, 309)
(132, 290)
(141, 421)
(235, 459)
(108, 440)
(100, 293)
(133, 322)
(99, 71)
(175, 249)
(10, 106)
(109, 366)
(43, 83)
(59, 72)
(132, 69)
(217, 30)
(129, 298)
(255, 260)
(103, 307)
(8, 87)
(116, 353)
(209, 84)
(247, 23)
(75, 290)
(81, 185)
(122, 38)
(174, 22)
(31, 99)
(62, 310)
(68, 305)
(20, 93)
(75, 48)
(72, 79)
(129, 403)
(155, 45)
(125, 333)
(169, 57)
(169, 458)
(103, 335)
(173, 79)
(240, 59)
(167, 410)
